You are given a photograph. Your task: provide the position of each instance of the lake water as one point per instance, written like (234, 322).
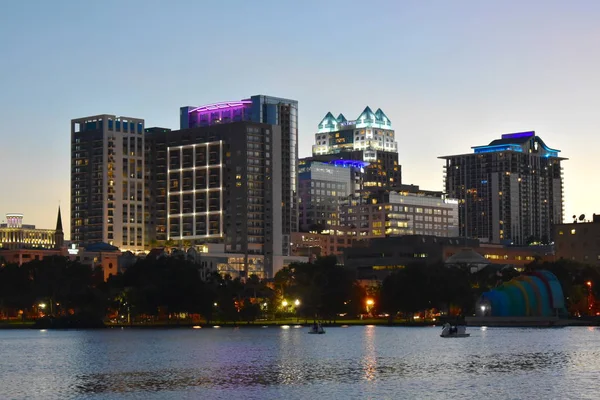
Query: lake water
(275, 363)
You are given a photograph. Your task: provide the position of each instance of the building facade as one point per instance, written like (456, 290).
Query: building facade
(331, 243)
(377, 258)
(510, 191)
(268, 110)
(410, 211)
(108, 182)
(155, 196)
(369, 138)
(323, 189)
(220, 184)
(16, 235)
(578, 241)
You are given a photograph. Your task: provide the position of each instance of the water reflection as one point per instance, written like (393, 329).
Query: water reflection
(501, 363)
(298, 372)
(369, 359)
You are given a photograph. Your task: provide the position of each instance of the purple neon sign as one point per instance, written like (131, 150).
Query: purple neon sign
(518, 135)
(221, 106)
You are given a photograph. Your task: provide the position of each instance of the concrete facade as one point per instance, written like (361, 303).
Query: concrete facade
(108, 182)
(578, 241)
(510, 191)
(221, 184)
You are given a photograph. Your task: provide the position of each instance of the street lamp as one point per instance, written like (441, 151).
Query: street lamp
(590, 297)
(42, 305)
(284, 303)
(370, 303)
(297, 303)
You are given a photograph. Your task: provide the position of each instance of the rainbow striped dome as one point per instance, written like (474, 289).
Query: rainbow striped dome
(536, 294)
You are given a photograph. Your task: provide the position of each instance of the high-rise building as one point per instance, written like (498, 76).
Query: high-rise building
(323, 188)
(220, 184)
(368, 138)
(268, 110)
(155, 212)
(107, 181)
(510, 191)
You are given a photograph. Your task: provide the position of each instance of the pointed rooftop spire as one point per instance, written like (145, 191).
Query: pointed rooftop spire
(382, 118)
(59, 221)
(328, 123)
(367, 116)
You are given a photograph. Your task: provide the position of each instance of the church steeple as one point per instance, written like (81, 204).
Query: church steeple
(59, 221)
(59, 236)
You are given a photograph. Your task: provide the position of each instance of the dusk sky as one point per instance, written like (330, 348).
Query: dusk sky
(449, 74)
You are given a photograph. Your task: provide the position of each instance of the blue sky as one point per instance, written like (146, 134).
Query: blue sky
(450, 75)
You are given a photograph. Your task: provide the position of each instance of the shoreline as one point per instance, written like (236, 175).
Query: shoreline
(303, 324)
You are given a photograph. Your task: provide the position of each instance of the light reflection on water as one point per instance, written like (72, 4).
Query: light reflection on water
(357, 362)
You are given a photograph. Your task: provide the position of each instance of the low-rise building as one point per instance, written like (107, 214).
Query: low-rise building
(331, 242)
(94, 255)
(578, 241)
(212, 257)
(377, 258)
(16, 235)
(411, 211)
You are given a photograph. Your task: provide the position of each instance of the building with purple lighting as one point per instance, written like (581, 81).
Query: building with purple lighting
(268, 110)
(510, 191)
(219, 186)
(368, 138)
(218, 113)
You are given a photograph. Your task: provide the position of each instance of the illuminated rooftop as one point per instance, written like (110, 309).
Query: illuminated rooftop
(367, 118)
(221, 106)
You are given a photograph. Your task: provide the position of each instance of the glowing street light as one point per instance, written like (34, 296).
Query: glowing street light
(589, 283)
(284, 303)
(297, 303)
(370, 302)
(42, 305)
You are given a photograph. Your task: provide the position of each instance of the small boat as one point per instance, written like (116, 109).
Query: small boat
(450, 331)
(316, 329)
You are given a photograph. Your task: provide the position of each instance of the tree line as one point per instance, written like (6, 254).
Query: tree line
(172, 289)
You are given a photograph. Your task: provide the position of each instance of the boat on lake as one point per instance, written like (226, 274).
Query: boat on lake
(316, 329)
(450, 331)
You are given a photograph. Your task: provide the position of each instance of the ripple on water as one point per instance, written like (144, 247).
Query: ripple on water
(369, 362)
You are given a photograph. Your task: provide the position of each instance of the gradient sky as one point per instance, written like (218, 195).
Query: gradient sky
(449, 74)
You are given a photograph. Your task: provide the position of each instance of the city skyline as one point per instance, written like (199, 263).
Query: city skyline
(449, 77)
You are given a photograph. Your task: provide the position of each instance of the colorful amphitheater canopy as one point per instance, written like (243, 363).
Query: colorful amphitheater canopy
(536, 294)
